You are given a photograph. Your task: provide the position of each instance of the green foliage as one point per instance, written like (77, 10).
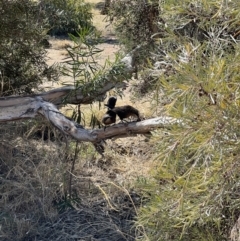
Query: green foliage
(80, 62)
(195, 192)
(22, 55)
(66, 16)
(135, 21)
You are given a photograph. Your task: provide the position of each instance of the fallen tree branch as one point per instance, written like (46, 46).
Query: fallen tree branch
(36, 106)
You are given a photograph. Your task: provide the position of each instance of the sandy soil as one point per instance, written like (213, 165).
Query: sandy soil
(110, 46)
(106, 186)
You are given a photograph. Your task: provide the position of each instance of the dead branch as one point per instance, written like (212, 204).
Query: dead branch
(35, 106)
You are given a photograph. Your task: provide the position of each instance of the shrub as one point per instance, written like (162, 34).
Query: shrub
(22, 56)
(135, 21)
(195, 192)
(66, 16)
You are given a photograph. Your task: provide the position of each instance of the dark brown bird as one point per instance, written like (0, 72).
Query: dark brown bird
(109, 118)
(111, 102)
(123, 112)
(126, 111)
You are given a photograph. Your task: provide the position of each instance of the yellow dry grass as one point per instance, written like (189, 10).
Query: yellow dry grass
(126, 159)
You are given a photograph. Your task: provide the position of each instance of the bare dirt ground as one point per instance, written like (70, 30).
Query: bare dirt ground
(110, 46)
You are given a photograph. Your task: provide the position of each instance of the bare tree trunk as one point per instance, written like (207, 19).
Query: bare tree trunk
(30, 107)
(70, 95)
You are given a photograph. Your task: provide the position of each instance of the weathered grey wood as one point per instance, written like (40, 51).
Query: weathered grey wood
(35, 106)
(62, 95)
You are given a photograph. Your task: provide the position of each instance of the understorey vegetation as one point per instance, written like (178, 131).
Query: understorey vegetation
(194, 68)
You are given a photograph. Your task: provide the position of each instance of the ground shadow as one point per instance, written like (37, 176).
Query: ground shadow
(110, 40)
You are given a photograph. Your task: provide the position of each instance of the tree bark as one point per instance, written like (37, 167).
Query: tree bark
(32, 107)
(113, 78)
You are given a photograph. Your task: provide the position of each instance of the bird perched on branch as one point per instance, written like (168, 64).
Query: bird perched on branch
(111, 102)
(122, 112)
(109, 117)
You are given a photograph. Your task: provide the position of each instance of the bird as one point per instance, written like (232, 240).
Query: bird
(122, 112)
(111, 102)
(126, 111)
(109, 118)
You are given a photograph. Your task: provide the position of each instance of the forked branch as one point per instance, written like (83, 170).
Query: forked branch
(36, 106)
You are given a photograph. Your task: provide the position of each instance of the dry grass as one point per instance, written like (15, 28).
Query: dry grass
(99, 20)
(57, 52)
(33, 180)
(59, 44)
(30, 179)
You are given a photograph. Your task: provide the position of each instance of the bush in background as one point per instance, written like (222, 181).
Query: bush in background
(135, 21)
(66, 16)
(22, 55)
(25, 25)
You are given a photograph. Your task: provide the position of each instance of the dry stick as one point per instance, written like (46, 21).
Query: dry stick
(38, 106)
(94, 180)
(72, 168)
(65, 179)
(106, 197)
